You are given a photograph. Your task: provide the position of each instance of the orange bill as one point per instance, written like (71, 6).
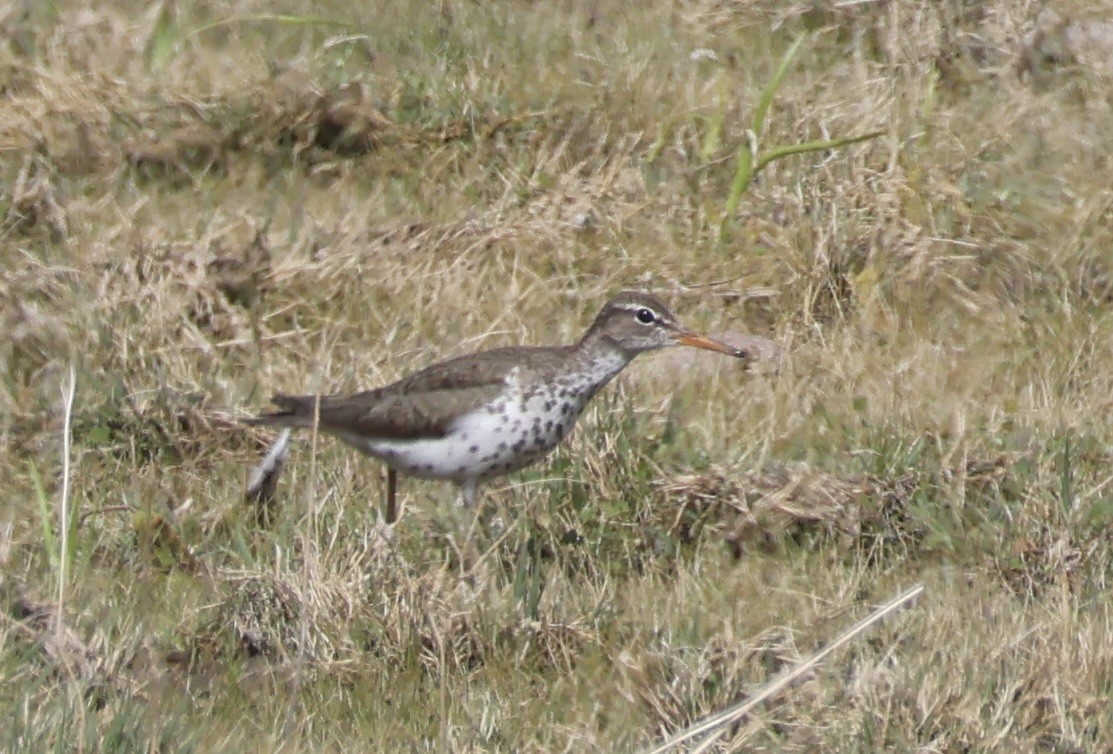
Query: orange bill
(702, 341)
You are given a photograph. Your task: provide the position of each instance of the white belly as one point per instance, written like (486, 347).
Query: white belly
(498, 439)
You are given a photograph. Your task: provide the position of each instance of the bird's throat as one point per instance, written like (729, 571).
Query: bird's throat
(598, 361)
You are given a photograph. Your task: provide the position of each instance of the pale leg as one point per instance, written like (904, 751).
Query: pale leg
(467, 492)
(468, 553)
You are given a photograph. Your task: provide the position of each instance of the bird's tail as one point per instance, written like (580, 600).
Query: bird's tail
(296, 411)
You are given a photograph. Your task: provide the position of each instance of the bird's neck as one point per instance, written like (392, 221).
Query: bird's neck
(599, 359)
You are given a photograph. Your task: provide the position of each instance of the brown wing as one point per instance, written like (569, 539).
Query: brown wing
(476, 370)
(409, 416)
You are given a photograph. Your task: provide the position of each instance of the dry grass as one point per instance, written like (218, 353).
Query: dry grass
(200, 206)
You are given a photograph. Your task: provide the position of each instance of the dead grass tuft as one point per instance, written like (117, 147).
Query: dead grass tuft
(35, 203)
(61, 655)
(761, 508)
(678, 683)
(795, 503)
(262, 616)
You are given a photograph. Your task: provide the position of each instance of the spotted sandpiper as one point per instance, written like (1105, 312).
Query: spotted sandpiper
(487, 414)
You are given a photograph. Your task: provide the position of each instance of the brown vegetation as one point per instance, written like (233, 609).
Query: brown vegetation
(204, 203)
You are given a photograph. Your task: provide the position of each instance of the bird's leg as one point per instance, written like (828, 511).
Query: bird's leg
(468, 552)
(467, 492)
(390, 507)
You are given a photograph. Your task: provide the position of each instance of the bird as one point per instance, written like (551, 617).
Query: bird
(487, 414)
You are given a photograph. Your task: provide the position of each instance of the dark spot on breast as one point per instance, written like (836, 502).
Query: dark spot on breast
(502, 446)
(549, 405)
(549, 426)
(428, 467)
(560, 427)
(473, 449)
(566, 409)
(517, 447)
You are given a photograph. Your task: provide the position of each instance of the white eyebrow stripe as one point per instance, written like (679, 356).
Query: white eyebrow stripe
(629, 307)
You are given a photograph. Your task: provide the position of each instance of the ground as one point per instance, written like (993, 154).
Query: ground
(204, 203)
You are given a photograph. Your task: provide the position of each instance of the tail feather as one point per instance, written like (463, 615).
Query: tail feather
(296, 411)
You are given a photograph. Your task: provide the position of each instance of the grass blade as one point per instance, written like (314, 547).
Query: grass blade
(273, 18)
(66, 550)
(164, 38)
(50, 542)
(765, 101)
(811, 146)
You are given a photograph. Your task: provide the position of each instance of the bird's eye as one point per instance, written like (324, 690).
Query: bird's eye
(645, 316)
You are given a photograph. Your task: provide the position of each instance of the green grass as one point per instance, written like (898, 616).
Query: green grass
(197, 210)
